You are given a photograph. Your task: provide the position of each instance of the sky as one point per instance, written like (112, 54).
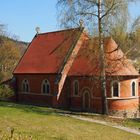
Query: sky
(22, 16)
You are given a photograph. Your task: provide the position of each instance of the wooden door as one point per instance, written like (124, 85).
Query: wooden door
(86, 101)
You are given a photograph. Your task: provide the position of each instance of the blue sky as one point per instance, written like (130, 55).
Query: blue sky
(134, 8)
(22, 16)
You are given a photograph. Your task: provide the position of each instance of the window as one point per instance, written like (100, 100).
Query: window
(133, 86)
(75, 87)
(115, 89)
(25, 86)
(46, 87)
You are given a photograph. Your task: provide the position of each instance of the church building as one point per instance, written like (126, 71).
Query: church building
(62, 69)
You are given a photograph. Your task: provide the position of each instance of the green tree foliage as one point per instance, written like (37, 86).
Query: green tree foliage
(5, 91)
(9, 56)
(129, 41)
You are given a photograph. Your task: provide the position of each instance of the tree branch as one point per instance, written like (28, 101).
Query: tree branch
(110, 9)
(92, 14)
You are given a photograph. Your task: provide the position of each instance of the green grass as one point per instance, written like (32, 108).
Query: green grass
(44, 123)
(134, 123)
(127, 122)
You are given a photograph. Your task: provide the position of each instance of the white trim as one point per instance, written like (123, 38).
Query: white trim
(135, 88)
(118, 98)
(23, 82)
(114, 81)
(75, 81)
(124, 98)
(43, 82)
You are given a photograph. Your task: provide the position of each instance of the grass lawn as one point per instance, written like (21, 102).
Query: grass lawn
(134, 123)
(44, 123)
(128, 122)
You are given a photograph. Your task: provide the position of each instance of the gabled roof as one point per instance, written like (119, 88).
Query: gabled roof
(47, 52)
(88, 61)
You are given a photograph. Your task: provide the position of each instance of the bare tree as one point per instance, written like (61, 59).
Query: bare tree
(102, 58)
(100, 16)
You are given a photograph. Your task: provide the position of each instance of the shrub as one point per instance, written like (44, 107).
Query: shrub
(5, 91)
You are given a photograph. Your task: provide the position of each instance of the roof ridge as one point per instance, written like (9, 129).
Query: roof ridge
(61, 30)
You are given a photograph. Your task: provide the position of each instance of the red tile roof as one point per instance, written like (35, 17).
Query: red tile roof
(87, 61)
(47, 52)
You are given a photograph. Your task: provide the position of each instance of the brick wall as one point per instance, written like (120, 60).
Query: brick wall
(126, 102)
(67, 99)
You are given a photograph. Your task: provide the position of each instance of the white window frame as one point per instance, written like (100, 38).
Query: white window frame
(75, 81)
(43, 82)
(135, 88)
(112, 91)
(27, 82)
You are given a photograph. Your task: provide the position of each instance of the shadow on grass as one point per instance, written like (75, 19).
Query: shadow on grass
(135, 123)
(44, 110)
(136, 120)
(29, 108)
(41, 110)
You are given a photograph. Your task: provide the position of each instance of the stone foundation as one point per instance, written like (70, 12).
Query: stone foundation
(125, 113)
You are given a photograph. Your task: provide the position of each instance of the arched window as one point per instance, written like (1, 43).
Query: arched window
(46, 87)
(115, 89)
(75, 87)
(25, 86)
(133, 88)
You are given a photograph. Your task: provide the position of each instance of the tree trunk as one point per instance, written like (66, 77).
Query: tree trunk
(102, 63)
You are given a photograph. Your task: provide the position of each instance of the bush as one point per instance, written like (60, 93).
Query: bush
(5, 91)
(2, 76)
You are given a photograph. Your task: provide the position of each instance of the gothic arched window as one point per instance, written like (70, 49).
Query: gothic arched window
(115, 89)
(133, 88)
(25, 86)
(75, 87)
(45, 86)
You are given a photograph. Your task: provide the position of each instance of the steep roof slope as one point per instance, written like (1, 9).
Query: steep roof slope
(47, 52)
(87, 61)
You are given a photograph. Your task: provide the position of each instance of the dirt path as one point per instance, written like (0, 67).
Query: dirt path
(127, 129)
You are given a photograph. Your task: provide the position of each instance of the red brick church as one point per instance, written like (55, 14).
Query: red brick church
(62, 69)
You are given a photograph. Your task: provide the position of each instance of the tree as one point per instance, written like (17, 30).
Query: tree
(5, 92)
(129, 40)
(9, 55)
(107, 13)
(102, 58)
(113, 11)
(134, 40)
